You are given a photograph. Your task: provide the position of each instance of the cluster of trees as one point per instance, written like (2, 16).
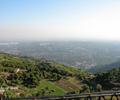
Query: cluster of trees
(30, 72)
(101, 81)
(109, 79)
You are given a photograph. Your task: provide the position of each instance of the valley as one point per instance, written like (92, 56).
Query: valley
(80, 54)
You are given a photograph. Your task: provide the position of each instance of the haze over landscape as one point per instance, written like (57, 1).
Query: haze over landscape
(59, 20)
(60, 49)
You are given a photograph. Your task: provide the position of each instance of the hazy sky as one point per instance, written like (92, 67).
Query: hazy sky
(59, 19)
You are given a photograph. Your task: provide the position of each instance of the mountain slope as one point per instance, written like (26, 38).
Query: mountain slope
(29, 74)
(24, 76)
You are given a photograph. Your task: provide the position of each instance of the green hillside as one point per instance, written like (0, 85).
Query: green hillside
(23, 76)
(38, 77)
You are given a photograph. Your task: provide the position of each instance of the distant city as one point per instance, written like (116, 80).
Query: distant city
(85, 55)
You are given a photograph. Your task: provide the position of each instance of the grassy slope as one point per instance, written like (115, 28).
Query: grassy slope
(47, 84)
(51, 86)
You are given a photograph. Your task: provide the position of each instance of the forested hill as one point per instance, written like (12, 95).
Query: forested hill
(35, 77)
(23, 76)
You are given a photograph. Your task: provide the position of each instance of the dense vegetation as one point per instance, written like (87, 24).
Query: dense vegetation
(41, 77)
(29, 74)
(109, 79)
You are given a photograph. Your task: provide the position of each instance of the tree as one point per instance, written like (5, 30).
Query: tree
(99, 87)
(85, 88)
